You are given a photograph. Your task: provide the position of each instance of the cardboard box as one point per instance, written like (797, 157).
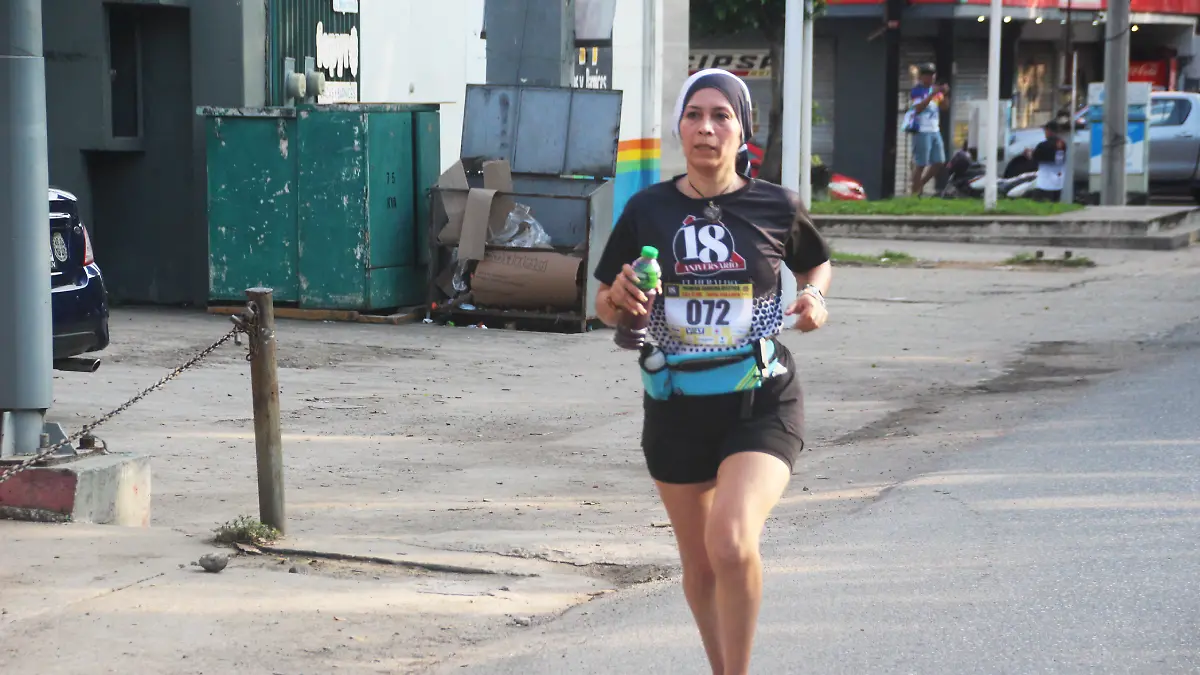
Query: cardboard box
(474, 215)
(535, 280)
(453, 203)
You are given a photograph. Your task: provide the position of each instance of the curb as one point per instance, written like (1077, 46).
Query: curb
(1145, 242)
(395, 562)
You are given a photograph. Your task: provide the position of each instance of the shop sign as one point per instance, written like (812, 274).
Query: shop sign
(1157, 73)
(593, 68)
(744, 64)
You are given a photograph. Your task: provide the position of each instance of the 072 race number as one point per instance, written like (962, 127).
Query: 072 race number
(705, 311)
(718, 315)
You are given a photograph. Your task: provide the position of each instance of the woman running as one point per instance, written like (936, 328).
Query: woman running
(724, 414)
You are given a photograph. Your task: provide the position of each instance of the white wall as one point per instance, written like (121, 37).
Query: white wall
(423, 51)
(1188, 46)
(675, 20)
(628, 64)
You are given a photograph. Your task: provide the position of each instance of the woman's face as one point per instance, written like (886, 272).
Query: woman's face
(710, 131)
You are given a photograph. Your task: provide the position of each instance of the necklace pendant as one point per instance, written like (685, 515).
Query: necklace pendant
(712, 213)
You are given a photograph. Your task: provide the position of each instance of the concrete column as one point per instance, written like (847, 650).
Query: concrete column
(530, 42)
(25, 331)
(652, 69)
(894, 10)
(676, 44)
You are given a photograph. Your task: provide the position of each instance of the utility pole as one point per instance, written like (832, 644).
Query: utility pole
(1116, 108)
(26, 354)
(806, 108)
(991, 139)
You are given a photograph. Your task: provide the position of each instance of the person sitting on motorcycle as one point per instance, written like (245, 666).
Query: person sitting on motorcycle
(1051, 158)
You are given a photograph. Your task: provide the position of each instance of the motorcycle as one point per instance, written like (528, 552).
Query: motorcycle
(962, 170)
(967, 178)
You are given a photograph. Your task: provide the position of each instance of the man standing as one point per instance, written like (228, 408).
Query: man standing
(928, 100)
(1051, 157)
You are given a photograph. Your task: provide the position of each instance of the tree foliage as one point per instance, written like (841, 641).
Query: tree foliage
(766, 18)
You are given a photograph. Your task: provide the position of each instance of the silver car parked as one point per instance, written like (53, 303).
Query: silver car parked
(1174, 144)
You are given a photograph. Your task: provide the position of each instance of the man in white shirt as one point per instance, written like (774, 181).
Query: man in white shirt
(1051, 158)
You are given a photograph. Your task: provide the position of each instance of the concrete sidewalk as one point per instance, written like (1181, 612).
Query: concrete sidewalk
(91, 599)
(1154, 228)
(516, 453)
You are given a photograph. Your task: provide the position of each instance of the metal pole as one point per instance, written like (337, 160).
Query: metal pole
(1068, 193)
(1069, 60)
(793, 104)
(26, 329)
(806, 108)
(1116, 108)
(991, 138)
(264, 383)
(793, 98)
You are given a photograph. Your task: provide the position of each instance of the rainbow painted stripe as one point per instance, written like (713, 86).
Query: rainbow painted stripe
(638, 167)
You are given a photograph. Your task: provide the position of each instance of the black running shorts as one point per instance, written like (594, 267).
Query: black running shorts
(685, 438)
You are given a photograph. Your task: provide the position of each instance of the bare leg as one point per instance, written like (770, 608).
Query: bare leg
(688, 507)
(929, 174)
(749, 484)
(915, 182)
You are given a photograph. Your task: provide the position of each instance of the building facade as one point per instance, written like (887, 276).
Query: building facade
(122, 83)
(125, 79)
(852, 68)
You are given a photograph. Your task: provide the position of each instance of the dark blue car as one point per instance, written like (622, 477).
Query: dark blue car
(79, 300)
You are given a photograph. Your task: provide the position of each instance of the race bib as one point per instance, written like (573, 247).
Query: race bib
(709, 316)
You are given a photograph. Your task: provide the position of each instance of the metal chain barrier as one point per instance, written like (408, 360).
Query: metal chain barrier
(243, 323)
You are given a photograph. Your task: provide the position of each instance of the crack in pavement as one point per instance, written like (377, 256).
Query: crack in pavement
(1049, 289)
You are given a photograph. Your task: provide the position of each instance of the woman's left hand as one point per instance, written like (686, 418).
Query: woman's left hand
(810, 312)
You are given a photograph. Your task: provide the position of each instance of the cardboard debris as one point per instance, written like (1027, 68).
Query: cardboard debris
(527, 280)
(454, 203)
(475, 228)
(475, 215)
(497, 175)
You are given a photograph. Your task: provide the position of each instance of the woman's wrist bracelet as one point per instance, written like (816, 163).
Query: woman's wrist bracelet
(815, 292)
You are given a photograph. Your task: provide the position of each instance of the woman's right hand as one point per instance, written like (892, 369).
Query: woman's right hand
(624, 293)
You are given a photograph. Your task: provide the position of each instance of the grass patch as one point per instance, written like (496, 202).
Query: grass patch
(1068, 260)
(912, 206)
(883, 259)
(245, 530)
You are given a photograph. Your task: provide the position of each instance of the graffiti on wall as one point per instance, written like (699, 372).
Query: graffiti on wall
(337, 57)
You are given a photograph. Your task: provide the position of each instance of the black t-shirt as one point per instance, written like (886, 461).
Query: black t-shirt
(721, 280)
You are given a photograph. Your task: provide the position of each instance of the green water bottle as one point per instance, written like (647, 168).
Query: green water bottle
(632, 329)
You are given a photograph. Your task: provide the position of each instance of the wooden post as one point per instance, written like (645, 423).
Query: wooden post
(264, 383)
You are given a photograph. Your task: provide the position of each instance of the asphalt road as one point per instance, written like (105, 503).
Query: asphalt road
(1066, 547)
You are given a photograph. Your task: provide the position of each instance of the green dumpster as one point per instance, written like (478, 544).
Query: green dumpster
(327, 204)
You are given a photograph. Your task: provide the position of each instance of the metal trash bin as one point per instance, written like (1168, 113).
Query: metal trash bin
(561, 146)
(321, 203)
